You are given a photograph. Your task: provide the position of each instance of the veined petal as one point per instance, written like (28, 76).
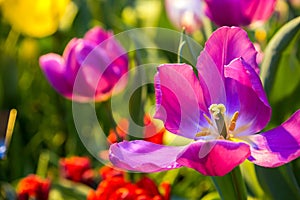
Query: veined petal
(69, 55)
(226, 12)
(214, 158)
(278, 146)
(238, 12)
(73, 42)
(144, 156)
(245, 94)
(90, 79)
(97, 35)
(53, 67)
(211, 79)
(179, 99)
(226, 44)
(259, 10)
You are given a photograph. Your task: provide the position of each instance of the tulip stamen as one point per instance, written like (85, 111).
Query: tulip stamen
(208, 119)
(233, 121)
(204, 132)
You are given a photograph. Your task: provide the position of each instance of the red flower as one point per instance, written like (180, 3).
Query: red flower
(119, 133)
(109, 172)
(152, 132)
(77, 169)
(115, 187)
(33, 187)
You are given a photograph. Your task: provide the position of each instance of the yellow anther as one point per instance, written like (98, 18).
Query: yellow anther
(204, 132)
(207, 119)
(233, 121)
(235, 116)
(232, 126)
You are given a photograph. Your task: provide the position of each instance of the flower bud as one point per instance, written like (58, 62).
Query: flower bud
(89, 69)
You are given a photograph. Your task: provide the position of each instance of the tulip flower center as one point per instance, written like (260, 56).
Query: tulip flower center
(220, 125)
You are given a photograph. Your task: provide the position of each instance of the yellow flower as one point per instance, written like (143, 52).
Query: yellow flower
(36, 18)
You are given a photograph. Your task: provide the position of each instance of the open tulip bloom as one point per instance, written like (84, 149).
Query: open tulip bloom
(96, 58)
(220, 110)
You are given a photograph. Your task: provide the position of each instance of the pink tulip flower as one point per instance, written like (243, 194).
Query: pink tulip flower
(220, 111)
(89, 68)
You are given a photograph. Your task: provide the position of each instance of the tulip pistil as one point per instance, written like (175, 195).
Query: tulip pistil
(220, 126)
(217, 111)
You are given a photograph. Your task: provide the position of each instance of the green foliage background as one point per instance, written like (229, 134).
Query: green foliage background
(45, 131)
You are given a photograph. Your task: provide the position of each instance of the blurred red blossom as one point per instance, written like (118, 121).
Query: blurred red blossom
(120, 132)
(107, 172)
(33, 187)
(114, 186)
(77, 169)
(152, 132)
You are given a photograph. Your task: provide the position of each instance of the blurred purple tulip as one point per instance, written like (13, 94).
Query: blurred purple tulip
(219, 111)
(238, 12)
(185, 14)
(89, 69)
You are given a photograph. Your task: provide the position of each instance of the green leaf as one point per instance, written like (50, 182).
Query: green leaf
(278, 48)
(70, 190)
(181, 44)
(7, 192)
(185, 179)
(278, 183)
(287, 77)
(280, 75)
(231, 186)
(211, 196)
(253, 186)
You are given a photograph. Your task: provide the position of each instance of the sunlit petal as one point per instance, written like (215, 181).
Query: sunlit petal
(277, 146)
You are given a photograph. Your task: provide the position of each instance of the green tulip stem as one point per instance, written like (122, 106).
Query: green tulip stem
(231, 186)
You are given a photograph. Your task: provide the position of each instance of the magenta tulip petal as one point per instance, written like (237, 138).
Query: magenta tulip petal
(226, 12)
(144, 156)
(71, 63)
(179, 99)
(54, 68)
(238, 12)
(214, 158)
(277, 146)
(211, 80)
(97, 35)
(94, 78)
(226, 44)
(68, 49)
(88, 70)
(220, 110)
(259, 10)
(245, 94)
